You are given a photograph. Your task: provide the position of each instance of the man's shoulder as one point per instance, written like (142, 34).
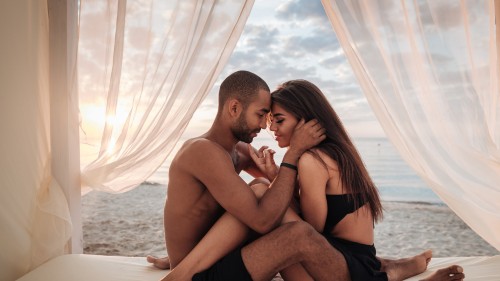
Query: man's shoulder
(200, 143)
(201, 155)
(199, 149)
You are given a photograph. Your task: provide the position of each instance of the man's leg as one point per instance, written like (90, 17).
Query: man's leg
(293, 243)
(294, 272)
(224, 236)
(259, 187)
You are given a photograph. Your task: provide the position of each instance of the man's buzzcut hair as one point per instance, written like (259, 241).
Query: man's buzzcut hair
(242, 85)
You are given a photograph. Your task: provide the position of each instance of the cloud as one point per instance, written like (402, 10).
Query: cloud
(259, 36)
(302, 10)
(314, 43)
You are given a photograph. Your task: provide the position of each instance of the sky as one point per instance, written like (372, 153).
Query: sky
(281, 40)
(293, 39)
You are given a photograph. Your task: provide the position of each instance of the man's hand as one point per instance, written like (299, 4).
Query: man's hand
(264, 159)
(306, 136)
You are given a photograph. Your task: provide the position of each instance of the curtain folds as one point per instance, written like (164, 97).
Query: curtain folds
(144, 67)
(34, 216)
(429, 72)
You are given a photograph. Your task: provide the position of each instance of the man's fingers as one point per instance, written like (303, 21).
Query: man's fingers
(251, 150)
(313, 123)
(252, 153)
(318, 126)
(321, 131)
(300, 124)
(270, 157)
(261, 150)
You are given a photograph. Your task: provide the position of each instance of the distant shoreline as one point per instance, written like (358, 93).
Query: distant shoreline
(415, 202)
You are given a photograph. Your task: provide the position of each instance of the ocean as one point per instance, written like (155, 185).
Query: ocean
(395, 180)
(393, 177)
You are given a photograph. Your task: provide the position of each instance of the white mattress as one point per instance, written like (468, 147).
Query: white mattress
(106, 268)
(95, 268)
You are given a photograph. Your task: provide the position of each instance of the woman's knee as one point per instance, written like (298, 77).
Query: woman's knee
(290, 216)
(260, 180)
(259, 189)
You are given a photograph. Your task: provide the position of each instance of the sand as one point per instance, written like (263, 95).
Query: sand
(131, 224)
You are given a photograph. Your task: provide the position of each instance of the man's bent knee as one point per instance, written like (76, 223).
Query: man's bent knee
(300, 229)
(304, 235)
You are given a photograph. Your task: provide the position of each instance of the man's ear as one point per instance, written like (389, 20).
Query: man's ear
(235, 107)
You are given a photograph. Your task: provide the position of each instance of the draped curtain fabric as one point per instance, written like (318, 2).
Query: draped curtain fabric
(35, 222)
(429, 72)
(144, 67)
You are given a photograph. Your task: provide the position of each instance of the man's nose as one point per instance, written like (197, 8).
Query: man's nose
(263, 124)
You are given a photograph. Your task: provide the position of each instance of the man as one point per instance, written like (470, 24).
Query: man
(204, 182)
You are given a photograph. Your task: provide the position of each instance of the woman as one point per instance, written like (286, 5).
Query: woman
(335, 195)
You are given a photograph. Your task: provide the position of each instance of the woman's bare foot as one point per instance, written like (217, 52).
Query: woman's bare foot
(401, 269)
(450, 273)
(161, 263)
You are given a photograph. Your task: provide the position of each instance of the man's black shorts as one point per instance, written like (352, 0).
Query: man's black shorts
(229, 268)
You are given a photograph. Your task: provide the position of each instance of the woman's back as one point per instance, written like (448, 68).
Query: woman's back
(325, 203)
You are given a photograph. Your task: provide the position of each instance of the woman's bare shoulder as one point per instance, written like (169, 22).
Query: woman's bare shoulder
(316, 157)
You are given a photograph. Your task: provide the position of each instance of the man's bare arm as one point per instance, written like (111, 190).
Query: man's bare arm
(216, 171)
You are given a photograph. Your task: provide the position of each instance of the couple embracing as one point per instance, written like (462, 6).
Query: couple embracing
(310, 218)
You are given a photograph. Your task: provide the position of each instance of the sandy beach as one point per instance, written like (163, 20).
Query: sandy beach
(131, 224)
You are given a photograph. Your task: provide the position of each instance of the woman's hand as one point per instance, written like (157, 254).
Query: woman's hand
(264, 159)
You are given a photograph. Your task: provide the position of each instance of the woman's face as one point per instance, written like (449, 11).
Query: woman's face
(282, 124)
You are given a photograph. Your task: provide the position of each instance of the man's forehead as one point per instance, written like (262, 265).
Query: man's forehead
(262, 101)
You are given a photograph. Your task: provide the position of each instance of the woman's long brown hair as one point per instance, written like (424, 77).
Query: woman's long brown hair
(304, 100)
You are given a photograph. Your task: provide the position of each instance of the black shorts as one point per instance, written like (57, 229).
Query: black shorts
(361, 260)
(230, 268)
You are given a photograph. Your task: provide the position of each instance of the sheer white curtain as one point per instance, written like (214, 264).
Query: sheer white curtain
(35, 222)
(144, 67)
(429, 71)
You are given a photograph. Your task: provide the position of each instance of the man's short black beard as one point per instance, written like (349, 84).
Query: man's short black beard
(241, 131)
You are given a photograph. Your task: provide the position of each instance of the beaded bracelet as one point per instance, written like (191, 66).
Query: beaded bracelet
(288, 165)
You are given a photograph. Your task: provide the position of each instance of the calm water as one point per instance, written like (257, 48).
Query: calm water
(395, 180)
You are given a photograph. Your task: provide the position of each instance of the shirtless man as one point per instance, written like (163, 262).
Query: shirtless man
(204, 182)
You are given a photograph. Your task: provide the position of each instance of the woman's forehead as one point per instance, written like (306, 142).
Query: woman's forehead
(277, 109)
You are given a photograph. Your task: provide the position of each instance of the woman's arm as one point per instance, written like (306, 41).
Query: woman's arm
(313, 178)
